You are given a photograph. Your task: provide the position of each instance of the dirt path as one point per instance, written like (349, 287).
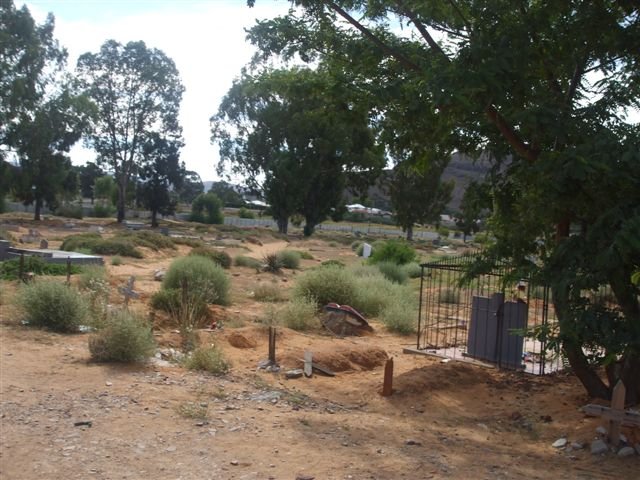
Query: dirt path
(166, 423)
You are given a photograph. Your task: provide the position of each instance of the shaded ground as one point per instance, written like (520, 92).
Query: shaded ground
(163, 422)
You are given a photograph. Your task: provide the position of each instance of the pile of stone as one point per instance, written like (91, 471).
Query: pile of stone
(600, 445)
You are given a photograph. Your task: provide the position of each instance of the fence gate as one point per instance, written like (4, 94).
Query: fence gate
(485, 319)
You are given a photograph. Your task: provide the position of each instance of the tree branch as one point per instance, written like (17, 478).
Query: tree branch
(507, 131)
(422, 29)
(374, 38)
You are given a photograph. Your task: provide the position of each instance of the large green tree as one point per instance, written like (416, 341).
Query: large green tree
(40, 115)
(530, 83)
(42, 142)
(301, 135)
(29, 55)
(137, 91)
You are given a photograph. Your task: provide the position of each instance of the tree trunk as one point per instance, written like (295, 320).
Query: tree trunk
(283, 225)
(122, 195)
(410, 233)
(572, 347)
(629, 364)
(154, 218)
(37, 209)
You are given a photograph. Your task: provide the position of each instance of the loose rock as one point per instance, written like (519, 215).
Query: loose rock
(598, 447)
(626, 452)
(413, 442)
(560, 443)
(296, 373)
(601, 430)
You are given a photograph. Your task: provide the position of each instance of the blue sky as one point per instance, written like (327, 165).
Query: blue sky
(205, 38)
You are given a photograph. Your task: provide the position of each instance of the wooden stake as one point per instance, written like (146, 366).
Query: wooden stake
(617, 404)
(272, 345)
(308, 363)
(387, 386)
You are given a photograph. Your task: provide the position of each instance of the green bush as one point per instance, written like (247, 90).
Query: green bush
(207, 208)
(245, 213)
(443, 231)
(201, 276)
(208, 359)
(400, 316)
(103, 210)
(413, 270)
(5, 234)
(326, 285)
(299, 314)
(289, 259)
(116, 261)
(94, 243)
(116, 246)
(165, 299)
(332, 263)
(94, 283)
(393, 272)
(217, 256)
(374, 293)
(244, 261)
(125, 338)
(188, 241)
(81, 240)
(69, 210)
(148, 239)
(365, 271)
(90, 275)
(395, 251)
(449, 295)
(10, 269)
(305, 255)
(267, 292)
(356, 245)
(53, 305)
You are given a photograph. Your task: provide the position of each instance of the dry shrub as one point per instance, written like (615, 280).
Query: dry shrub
(126, 338)
(208, 359)
(53, 305)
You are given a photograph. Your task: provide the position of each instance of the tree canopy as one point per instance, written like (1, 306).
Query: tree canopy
(299, 134)
(137, 91)
(40, 115)
(545, 89)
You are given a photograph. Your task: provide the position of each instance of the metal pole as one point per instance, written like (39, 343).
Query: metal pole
(420, 306)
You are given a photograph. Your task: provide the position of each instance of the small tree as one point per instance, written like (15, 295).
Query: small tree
(475, 203)
(160, 176)
(418, 195)
(207, 208)
(192, 186)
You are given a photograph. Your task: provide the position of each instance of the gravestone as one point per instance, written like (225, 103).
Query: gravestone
(44, 244)
(366, 250)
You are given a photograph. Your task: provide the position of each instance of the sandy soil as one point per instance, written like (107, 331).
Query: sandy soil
(448, 420)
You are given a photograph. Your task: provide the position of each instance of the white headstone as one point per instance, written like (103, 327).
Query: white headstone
(366, 250)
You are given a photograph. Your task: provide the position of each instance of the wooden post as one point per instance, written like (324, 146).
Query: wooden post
(387, 386)
(272, 345)
(21, 268)
(308, 363)
(68, 270)
(617, 404)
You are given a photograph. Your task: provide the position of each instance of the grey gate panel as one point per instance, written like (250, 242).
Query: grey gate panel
(482, 341)
(511, 344)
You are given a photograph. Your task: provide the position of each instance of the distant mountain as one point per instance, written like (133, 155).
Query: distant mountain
(461, 169)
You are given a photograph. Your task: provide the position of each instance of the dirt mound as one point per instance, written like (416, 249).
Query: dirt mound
(240, 340)
(343, 359)
(441, 376)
